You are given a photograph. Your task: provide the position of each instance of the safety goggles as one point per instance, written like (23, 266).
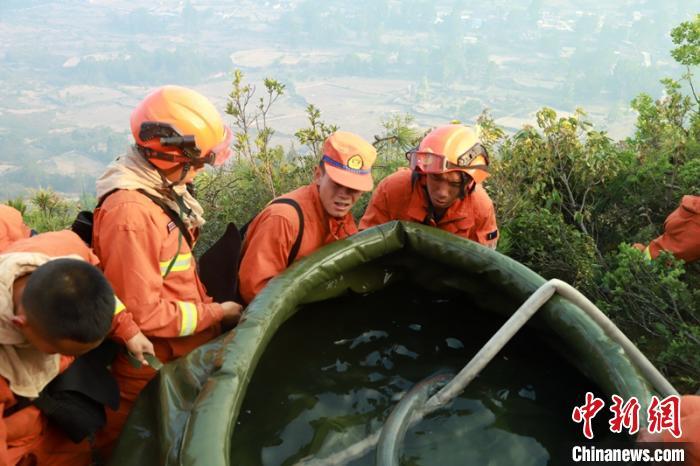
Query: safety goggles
(476, 158)
(219, 153)
(170, 137)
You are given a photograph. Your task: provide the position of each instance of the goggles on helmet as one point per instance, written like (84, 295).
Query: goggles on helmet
(476, 158)
(222, 151)
(170, 137)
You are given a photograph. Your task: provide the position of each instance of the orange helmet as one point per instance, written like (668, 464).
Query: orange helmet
(451, 148)
(174, 125)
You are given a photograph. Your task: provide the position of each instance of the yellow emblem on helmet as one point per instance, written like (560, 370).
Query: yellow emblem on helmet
(355, 162)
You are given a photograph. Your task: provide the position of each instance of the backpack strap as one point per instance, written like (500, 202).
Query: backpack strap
(83, 223)
(218, 266)
(297, 242)
(174, 216)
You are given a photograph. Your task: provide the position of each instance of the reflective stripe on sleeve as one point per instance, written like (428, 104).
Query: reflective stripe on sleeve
(118, 306)
(647, 253)
(188, 323)
(182, 262)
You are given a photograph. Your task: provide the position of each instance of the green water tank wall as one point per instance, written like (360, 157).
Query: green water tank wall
(187, 415)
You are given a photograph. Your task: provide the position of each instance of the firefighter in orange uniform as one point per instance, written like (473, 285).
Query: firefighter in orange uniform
(46, 323)
(144, 230)
(442, 188)
(681, 234)
(276, 238)
(12, 226)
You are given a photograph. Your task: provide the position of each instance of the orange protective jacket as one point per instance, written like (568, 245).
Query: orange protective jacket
(12, 226)
(271, 235)
(396, 198)
(65, 243)
(681, 232)
(136, 242)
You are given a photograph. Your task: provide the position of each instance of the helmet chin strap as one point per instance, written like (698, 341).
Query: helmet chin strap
(183, 209)
(148, 154)
(185, 169)
(167, 183)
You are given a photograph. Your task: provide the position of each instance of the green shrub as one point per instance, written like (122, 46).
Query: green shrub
(653, 303)
(48, 211)
(543, 241)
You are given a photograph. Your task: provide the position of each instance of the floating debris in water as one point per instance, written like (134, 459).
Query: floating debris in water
(339, 366)
(454, 343)
(387, 276)
(528, 392)
(372, 359)
(367, 337)
(403, 351)
(387, 363)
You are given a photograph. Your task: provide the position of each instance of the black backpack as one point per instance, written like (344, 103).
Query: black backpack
(218, 266)
(75, 400)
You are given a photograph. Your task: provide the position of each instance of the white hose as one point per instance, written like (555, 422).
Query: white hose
(402, 417)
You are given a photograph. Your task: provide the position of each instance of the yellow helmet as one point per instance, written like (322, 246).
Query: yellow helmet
(174, 125)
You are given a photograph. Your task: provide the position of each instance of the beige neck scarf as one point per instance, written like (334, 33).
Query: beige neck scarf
(131, 171)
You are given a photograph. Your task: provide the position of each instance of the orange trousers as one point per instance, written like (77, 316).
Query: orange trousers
(56, 449)
(33, 441)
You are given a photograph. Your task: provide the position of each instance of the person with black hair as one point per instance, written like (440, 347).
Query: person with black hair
(65, 306)
(442, 188)
(55, 305)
